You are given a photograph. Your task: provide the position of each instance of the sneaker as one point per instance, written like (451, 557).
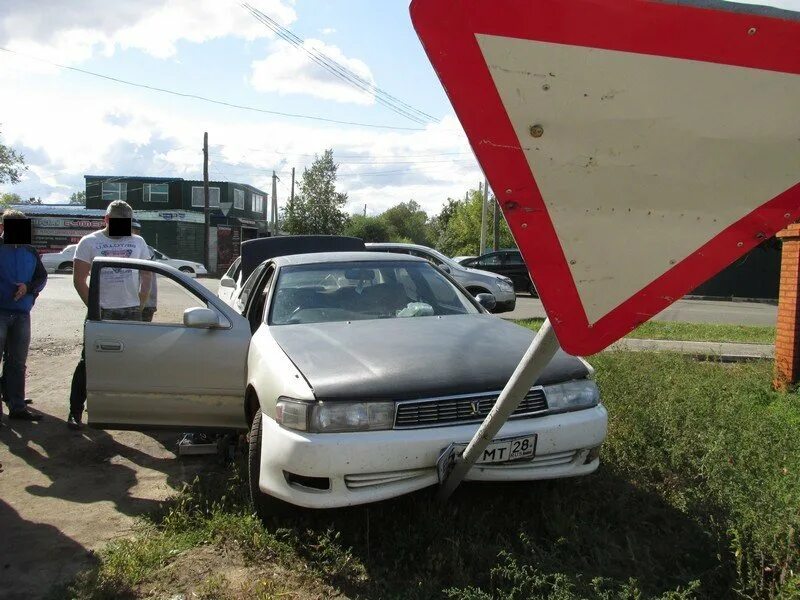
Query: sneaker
(74, 422)
(25, 415)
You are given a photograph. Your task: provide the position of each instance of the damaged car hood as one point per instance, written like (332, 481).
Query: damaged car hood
(408, 358)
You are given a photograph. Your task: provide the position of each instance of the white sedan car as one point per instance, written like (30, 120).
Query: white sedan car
(191, 268)
(353, 371)
(59, 262)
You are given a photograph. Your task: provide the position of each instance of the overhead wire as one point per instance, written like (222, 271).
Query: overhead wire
(207, 99)
(340, 71)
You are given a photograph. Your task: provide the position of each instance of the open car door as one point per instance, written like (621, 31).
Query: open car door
(180, 363)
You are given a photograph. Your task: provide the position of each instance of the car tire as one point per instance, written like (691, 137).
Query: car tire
(65, 267)
(266, 506)
(532, 290)
(187, 270)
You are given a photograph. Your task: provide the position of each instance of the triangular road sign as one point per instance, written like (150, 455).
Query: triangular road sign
(225, 207)
(636, 147)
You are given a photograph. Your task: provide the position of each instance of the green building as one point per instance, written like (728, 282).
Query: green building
(170, 210)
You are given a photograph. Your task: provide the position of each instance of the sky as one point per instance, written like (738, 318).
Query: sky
(69, 124)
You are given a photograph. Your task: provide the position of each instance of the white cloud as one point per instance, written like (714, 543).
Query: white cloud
(116, 132)
(327, 31)
(289, 70)
(70, 32)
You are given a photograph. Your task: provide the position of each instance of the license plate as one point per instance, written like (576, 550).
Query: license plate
(499, 451)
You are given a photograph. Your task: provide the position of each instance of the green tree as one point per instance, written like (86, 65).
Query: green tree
(7, 199)
(407, 222)
(369, 229)
(12, 165)
(77, 198)
(318, 208)
(462, 234)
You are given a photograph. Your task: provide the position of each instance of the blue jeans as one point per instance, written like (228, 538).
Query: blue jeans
(15, 339)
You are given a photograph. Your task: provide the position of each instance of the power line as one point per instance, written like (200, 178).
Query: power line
(337, 155)
(342, 72)
(206, 99)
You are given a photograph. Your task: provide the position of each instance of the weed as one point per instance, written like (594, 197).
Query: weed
(698, 496)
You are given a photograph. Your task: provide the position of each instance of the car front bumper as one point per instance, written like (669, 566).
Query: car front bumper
(370, 466)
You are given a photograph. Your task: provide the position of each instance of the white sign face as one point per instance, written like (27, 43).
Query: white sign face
(225, 207)
(637, 148)
(638, 169)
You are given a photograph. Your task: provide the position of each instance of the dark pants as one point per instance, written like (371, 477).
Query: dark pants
(15, 339)
(77, 395)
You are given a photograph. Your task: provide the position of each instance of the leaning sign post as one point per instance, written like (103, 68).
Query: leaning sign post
(636, 147)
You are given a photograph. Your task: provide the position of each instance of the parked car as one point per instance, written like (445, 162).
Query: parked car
(191, 268)
(473, 280)
(59, 262)
(508, 263)
(257, 251)
(349, 369)
(460, 259)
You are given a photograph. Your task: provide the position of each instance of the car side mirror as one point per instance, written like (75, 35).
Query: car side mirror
(227, 282)
(445, 268)
(487, 301)
(200, 318)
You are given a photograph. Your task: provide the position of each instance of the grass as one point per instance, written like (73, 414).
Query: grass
(690, 332)
(698, 496)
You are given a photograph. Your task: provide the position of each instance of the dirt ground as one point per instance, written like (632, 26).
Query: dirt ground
(64, 494)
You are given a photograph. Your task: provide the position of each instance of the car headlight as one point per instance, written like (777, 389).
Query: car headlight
(572, 395)
(505, 285)
(334, 417)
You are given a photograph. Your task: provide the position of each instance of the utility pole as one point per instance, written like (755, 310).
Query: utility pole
(496, 215)
(483, 218)
(274, 210)
(291, 197)
(207, 229)
(365, 210)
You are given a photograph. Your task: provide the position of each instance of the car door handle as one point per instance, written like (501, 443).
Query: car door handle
(106, 346)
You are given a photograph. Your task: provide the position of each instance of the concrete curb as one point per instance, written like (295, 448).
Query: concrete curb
(719, 351)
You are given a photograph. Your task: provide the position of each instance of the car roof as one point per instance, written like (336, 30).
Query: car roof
(396, 245)
(334, 257)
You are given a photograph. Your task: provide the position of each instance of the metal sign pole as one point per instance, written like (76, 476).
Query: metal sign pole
(539, 354)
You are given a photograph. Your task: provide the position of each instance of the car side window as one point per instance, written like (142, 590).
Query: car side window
(514, 258)
(489, 260)
(429, 257)
(244, 294)
(233, 270)
(165, 299)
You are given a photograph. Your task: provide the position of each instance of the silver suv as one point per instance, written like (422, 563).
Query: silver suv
(473, 280)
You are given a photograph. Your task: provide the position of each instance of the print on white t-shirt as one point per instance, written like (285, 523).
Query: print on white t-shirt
(119, 288)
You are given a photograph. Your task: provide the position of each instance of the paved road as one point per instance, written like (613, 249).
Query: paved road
(687, 311)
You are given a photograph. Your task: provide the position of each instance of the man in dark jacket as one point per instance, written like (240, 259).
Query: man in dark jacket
(22, 277)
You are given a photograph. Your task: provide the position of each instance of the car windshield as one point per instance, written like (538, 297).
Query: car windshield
(361, 290)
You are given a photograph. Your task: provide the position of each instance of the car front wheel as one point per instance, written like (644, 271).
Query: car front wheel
(187, 270)
(65, 267)
(265, 505)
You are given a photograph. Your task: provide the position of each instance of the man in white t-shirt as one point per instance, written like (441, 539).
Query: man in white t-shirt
(123, 292)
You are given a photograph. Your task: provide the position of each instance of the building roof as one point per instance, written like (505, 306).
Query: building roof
(59, 210)
(167, 179)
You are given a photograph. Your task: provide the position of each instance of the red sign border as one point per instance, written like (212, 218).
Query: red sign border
(447, 29)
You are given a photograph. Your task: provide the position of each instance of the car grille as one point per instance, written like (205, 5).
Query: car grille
(461, 409)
